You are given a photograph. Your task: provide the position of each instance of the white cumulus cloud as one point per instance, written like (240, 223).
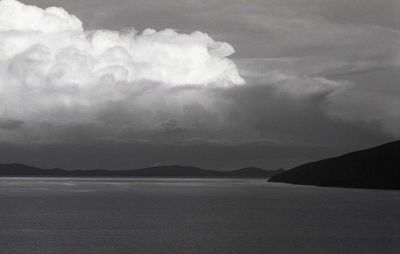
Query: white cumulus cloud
(50, 66)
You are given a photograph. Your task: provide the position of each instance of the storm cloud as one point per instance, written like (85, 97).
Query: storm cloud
(52, 70)
(270, 80)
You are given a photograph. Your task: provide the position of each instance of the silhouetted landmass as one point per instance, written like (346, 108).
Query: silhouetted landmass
(376, 168)
(160, 171)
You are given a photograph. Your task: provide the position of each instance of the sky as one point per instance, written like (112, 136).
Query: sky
(217, 84)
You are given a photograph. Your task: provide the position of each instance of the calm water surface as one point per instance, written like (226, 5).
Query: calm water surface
(86, 215)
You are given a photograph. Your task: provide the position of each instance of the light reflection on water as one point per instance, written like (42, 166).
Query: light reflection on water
(164, 215)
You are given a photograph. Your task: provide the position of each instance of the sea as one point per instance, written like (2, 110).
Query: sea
(190, 216)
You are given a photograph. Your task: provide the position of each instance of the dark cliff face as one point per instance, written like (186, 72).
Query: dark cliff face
(377, 168)
(161, 171)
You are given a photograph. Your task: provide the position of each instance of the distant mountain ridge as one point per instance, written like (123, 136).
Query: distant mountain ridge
(376, 168)
(159, 171)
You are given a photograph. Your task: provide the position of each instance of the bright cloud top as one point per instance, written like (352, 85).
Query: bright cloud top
(53, 71)
(42, 47)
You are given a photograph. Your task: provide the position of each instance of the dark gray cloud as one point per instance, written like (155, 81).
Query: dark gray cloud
(322, 77)
(10, 124)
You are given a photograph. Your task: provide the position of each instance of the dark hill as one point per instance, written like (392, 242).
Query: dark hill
(377, 168)
(160, 171)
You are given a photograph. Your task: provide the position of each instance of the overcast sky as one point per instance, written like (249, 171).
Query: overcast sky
(219, 84)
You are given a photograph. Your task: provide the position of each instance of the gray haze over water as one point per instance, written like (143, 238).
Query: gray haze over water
(95, 216)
